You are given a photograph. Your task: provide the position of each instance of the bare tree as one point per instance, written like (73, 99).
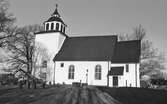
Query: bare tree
(41, 54)
(151, 59)
(6, 21)
(21, 47)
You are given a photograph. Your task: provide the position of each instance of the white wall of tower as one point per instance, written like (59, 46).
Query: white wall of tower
(52, 42)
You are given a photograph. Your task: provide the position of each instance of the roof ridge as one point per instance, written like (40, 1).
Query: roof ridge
(129, 41)
(92, 36)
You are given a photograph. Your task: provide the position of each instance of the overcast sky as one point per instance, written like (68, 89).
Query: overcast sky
(99, 17)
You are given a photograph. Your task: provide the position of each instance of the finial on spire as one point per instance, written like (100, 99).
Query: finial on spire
(56, 6)
(56, 11)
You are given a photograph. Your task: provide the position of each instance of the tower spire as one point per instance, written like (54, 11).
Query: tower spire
(56, 13)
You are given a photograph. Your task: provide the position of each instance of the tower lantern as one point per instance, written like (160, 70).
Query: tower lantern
(55, 23)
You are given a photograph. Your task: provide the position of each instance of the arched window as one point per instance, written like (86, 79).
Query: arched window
(47, 26)
(57, 26)
(98, 72)
(71, 72)
(52, 26)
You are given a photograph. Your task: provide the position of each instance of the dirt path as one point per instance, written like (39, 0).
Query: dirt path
(58, 95)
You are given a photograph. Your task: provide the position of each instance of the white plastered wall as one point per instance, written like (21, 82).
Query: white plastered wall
(61, 73)
(81, 67)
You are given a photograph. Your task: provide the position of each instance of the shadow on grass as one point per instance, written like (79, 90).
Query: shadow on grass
(137, 95)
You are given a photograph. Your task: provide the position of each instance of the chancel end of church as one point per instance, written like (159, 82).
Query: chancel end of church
(94, 60)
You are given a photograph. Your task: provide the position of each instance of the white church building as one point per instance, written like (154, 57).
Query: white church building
(95, 60)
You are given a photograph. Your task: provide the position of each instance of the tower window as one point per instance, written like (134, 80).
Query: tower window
(57, 26)
(47, 26)
(64, 30)
(61, 28)
(71, 72)
(52, 26)
(98, 72)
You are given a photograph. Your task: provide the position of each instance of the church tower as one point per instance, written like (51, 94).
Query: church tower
(49, 43)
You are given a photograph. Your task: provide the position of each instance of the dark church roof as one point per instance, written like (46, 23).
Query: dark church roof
(116, 71)
(127, 52)
(53, 18)
(91, 48)
(99, 48)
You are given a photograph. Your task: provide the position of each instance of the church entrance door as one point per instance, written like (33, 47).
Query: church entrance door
(115, 81)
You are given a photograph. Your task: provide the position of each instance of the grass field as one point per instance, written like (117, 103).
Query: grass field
(137, 95)
(82, 95)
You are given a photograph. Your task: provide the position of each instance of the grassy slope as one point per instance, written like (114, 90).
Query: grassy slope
(83, 95)
(137, 95)
(56, 95)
